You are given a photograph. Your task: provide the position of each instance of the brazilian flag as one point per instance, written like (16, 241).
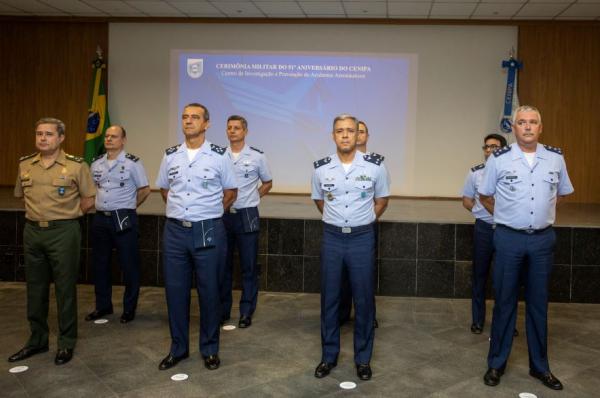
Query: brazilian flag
(98, 120)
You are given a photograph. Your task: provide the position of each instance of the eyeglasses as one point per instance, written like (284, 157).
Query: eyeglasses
(492, 147)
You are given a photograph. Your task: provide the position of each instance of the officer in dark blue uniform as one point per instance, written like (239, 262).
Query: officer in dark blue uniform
(242, 221)
(351, 189)
(197, 181)
(483, 247)
(362, 139)
(520, 187)
(122, 186)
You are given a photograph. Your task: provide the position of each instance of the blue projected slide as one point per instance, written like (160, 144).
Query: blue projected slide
(291, 99)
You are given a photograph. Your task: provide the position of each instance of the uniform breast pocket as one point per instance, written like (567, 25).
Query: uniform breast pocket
(124, 175)
(206, 178)
(364, 188)
(512, 183)
(26, 183)
(62, 185)
(551, 180)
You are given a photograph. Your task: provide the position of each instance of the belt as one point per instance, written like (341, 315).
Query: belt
(231, 210)
(111, 212)
(48, 224)
(347, 230)
(530, 231)
(185, 223)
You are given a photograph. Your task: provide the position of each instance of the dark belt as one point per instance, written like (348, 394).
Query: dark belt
(347, 230)
(525, 231)
(185, 223)
(110, 213)
(48, 224)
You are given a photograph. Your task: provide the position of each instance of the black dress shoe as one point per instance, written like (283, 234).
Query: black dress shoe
(245, 321)
(492, 377)
(515, 333)
(26, 352)
(212, 362)
(223, 320)
(127, 316)
(375, 324)
(548, 379)
(363, 371)
(476, 328)
(63, 355)
(97, 314)
(324, 368)
(169, 361)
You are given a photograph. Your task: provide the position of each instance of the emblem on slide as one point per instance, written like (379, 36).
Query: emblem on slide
(195, 67)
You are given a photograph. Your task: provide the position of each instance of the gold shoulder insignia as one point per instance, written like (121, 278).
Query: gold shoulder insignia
(74, 158)
(22, 158)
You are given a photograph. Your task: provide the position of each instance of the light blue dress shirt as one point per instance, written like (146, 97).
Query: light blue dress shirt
(348, 196)
(250, 168)
(472, 182)
(196, 187)
(525, 196)
(118, 185)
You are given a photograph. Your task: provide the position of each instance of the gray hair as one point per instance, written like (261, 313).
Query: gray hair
(345, 116)
(60, 125)
(525, 108)
(198, 105)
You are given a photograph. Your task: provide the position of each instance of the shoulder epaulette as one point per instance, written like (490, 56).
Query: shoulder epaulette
(22, 158)
(553, 149)
(256, 149)
(478, 167)
(132, 157)
(74, 158)
(374, 158)
(97, 158)
(322, 162)
(502, 151)
(218, 149)
(173, 149)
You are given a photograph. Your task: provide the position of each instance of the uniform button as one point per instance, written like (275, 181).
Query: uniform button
(531, 171)
(106, 191)
(186, 209)
(189, 180)
(346, 206)
(532, 185)
(531, 198)
(346, 221)
(191, 166)
(346, 191)
(188, 194)
(531, 212)
(346, 178)
(531, 226)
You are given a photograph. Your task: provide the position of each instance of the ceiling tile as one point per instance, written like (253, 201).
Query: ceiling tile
(452, 9)
(196, 8)
(408, 9)
(322, 7)
(279, 8)
(155, 8)
(71, 6)
(588, 10)
(115, 8)
(366, 8)
(541, 10)
(505, 10)
(31, 6)
(238, 9)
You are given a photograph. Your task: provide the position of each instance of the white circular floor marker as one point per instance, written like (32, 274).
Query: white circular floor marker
(100, 321)
(18, 369)
(527, 395)
(179, 377)
(348, 385)
(228, 327)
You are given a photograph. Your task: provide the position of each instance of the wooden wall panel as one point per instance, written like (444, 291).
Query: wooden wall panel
(561, 76)
(45, 70)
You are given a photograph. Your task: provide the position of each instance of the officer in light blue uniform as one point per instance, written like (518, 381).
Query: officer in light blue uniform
(483, 247)
(520, 186)
(197, 181)
(122, 185)
(351, 189)
(241, 220)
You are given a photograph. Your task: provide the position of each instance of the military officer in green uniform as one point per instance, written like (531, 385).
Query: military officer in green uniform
(57, 189)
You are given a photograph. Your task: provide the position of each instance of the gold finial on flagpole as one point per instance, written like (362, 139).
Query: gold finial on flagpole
(511, 54)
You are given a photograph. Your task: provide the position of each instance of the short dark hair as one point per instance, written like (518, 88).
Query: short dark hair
(364, 124)
(495, 136)
(60, 126)
(239, 119)
(198, 105)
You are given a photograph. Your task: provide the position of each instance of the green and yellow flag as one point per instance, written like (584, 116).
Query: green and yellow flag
(98, 120)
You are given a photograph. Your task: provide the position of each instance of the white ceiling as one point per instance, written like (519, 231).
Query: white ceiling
(302, 9)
